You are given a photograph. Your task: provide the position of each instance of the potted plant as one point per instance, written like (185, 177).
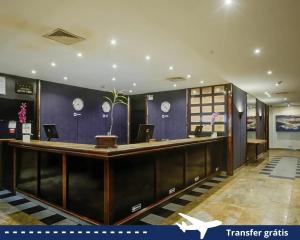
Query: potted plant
(213, 120)
(109, 140)
(25, 127)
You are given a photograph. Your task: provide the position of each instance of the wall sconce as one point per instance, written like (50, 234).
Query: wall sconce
(260, 116)
(241, 113)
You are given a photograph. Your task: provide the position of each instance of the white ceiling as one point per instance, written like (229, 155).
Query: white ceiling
(205, 38)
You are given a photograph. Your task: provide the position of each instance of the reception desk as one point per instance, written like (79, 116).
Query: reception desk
(111, 186)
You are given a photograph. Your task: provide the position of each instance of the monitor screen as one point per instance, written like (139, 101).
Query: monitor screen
(50, 130)
(145, 133)
(198, 131)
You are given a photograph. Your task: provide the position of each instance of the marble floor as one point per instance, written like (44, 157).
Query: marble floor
(250, 197)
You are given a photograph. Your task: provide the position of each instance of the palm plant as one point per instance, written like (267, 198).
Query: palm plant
(116, 98)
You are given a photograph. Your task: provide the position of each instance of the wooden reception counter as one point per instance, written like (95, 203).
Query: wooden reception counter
(111, 186)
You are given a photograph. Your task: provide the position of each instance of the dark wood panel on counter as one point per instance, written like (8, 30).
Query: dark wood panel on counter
(133, 185)
(170, 172)
(195, 163)
(27, 171)
(6, 165)
(50, 177)
(85, 186)
(113, 185)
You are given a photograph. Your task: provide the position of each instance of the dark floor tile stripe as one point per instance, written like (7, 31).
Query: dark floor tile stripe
(162, 212)
(206, 187)
(265, 173)
(214, 181)
(34, 209)
(18, 202)
(196, 194)
(6, 195)
(52, 219)
(267, 170)
(181, 202)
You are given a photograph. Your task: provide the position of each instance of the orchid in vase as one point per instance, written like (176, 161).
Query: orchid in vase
(213, 121)
(22, 113)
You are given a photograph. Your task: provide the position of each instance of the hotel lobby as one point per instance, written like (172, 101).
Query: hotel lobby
(130, 112)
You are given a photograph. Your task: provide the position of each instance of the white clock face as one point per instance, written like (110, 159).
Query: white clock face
(78, 104)
(165, 106)
(106, 107)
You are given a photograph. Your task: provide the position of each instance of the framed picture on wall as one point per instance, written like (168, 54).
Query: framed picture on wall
(251, 123)
(288, 123)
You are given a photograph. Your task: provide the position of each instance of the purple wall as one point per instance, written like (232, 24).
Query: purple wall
(174, 125)
(56, 108)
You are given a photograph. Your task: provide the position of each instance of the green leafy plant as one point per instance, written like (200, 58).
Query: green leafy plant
(117, 97)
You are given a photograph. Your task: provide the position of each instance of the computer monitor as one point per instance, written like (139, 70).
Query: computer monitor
(50, 130)
(198, 131)
(145, 133)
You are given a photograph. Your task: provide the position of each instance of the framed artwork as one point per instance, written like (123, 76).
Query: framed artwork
(195, 100)
(206, 109)
(207, 100)
(288, 123)
(207, 90)
(251, 123)
(219, 108)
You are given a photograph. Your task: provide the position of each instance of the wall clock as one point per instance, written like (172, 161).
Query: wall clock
(165, 106)
(78, 104)
(106, 107)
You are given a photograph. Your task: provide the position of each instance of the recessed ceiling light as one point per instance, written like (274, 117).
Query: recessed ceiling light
(268, 94)
(134, 84)
(130, 91)
(277, 84)
(147, 57)
(188, 76)
(113, 42)
(79, 54)
(33, 71)
(53, 64)
(201, 82)
(257, 51)
(114, 66)
(228, 2)
(113, 79)
(171, 68)
(270, 72)
(285, 99)
(174, 85)
(65, 78)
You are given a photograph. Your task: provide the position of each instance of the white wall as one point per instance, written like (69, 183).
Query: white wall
(283, 139)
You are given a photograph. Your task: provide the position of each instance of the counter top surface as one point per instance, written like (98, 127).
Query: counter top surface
(121, 149)
(6, 139)
(256, 141)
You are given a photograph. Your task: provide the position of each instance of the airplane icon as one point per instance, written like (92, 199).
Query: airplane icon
(197, 224)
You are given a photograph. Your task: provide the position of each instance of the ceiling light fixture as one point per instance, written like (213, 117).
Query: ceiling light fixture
(114, 66)
(147, 57)
(53, 64)
(257, 51)
(79, 54)
(201, 82)
(268, 94)
(113, 79)
(171, 68)
(130, 91)
(228, 2)
(285, 99)
(65, 78)
(270, 72)
(33, 71)
(174, 85)
(134, 84)
(188, 76)
(113, 42)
